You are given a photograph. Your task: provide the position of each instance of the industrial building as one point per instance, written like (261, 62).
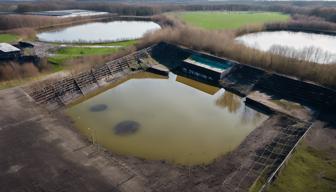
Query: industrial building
(8, 51)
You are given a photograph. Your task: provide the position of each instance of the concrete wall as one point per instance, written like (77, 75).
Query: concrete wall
(63, 91)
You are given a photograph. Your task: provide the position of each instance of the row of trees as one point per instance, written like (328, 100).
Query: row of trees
(301, 22)
(326, 11)
(19, 21)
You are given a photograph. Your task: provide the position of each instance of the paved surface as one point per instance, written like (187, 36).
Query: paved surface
(39, 154)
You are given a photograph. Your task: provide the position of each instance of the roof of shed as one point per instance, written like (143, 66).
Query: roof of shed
(5, 47)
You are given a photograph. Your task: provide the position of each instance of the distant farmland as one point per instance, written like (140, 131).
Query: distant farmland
(229, 20)
(7, 38)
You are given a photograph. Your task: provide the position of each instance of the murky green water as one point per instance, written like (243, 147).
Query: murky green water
(176, 119)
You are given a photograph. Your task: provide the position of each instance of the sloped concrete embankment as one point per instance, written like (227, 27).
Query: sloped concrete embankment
(62, 91)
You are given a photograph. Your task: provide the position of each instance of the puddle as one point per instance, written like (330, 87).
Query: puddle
(176, 119)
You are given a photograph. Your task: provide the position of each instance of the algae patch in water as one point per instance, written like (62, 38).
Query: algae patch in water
(98, 108)
(126, 128)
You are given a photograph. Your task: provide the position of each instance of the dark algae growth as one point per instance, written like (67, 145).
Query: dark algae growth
(126, 127)
(98, 108)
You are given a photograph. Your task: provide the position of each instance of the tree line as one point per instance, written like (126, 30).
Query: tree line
(325, 10)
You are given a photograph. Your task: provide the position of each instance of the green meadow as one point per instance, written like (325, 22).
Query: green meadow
(229, 20)
(67, 53)
(8, 38)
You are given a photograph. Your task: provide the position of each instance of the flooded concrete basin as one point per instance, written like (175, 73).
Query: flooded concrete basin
(173, 119)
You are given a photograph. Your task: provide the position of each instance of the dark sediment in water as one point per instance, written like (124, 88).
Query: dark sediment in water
(98, 108)
(126, 127)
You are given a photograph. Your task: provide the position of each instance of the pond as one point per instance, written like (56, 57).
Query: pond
(100, 32)
(313, 47)
(69, 13)
(173, 119)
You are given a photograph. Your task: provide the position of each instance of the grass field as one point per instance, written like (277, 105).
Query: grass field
(308, 170)
(229, 20)
(8, 38)
(64, 54)
(73, 52)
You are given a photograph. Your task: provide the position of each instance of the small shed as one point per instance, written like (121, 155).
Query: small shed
(8, 51)
(25, 44)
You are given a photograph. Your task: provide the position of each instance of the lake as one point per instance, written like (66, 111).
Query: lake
(100, 32)
(313, 47)
(175, 119)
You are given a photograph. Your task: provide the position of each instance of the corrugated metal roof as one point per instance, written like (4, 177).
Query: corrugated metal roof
(5, 47)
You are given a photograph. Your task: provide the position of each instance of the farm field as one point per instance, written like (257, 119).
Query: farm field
(229, 20)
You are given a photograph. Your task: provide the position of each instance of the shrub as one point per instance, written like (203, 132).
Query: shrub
(13, 70)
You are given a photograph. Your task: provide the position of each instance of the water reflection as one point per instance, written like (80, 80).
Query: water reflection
(250, 115)
(211, 90)
(175, 119)
(229, 101)
(306, 46)
(234, 103)
(100, 32)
